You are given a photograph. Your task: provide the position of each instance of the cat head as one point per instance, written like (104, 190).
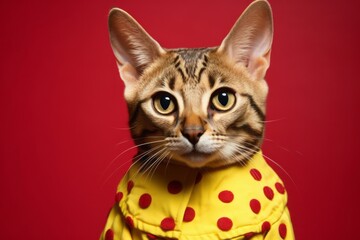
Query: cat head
(199, 107)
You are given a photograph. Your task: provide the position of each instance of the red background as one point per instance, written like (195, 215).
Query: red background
(62, 111)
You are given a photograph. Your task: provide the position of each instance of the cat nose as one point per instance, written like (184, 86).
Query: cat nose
(193, 133)
(193, 128)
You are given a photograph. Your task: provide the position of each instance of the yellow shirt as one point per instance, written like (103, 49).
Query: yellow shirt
(177, 202)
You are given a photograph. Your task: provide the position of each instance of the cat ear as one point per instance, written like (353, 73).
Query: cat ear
(133, 47)
(249, 41)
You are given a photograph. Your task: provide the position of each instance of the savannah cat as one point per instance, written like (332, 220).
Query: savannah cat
(197, 117)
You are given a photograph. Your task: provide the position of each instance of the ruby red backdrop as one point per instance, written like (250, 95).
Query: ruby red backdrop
(62, 112)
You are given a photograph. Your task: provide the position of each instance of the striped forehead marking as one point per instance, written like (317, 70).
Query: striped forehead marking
(193, 59)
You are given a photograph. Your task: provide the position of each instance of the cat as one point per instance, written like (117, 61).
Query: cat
(197, 117)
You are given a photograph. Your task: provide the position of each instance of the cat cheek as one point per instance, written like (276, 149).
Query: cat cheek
(180, 146)
(228, 149)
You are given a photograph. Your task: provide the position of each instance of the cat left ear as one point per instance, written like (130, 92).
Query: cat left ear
(249, 41)
(133, 47)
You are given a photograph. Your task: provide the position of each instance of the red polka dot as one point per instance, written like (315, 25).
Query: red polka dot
(129, 221)
(174, 187)
(145, 200)
(167, 224)
(255, 206)
(224, 224)
(255, 174)
(280, 188)
(198, 178)
(269, 193)
(282, 231)
(189, 214)
(249, 235)
(150, 236)
(130, 186)
(265, 227)
(226, 196)
(118, 196)
(109, 235)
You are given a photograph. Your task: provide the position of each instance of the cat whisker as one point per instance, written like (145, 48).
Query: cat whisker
(126, 128)
(115, 170)
(148, 151)
(145, 167)
(272, 120)
(139, 158)
(243, 135)
(157, 163)
(140, 138)
(122, 142)
(268, 158)
(146, 163)
(131, 148)
(137, 146)
(247, 153)
(282, 169)
(265, 139)
(168, 161)
(244, 154)
(135, 161)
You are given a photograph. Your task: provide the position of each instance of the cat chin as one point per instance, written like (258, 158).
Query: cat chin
(195, 159)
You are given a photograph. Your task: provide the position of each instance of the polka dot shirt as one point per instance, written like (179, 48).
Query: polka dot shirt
(177, 202)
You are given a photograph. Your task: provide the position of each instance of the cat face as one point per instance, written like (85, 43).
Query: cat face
(199, 107)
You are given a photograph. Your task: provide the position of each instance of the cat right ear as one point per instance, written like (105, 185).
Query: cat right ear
(249, 41)
(133, 47)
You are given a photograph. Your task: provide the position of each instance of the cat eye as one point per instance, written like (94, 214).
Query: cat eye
(164, 103)
(223, 99)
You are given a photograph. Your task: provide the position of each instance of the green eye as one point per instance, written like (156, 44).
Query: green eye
(223, 99)
(164, 103)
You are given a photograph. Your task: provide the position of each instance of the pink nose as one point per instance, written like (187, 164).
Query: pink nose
(193, 133)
